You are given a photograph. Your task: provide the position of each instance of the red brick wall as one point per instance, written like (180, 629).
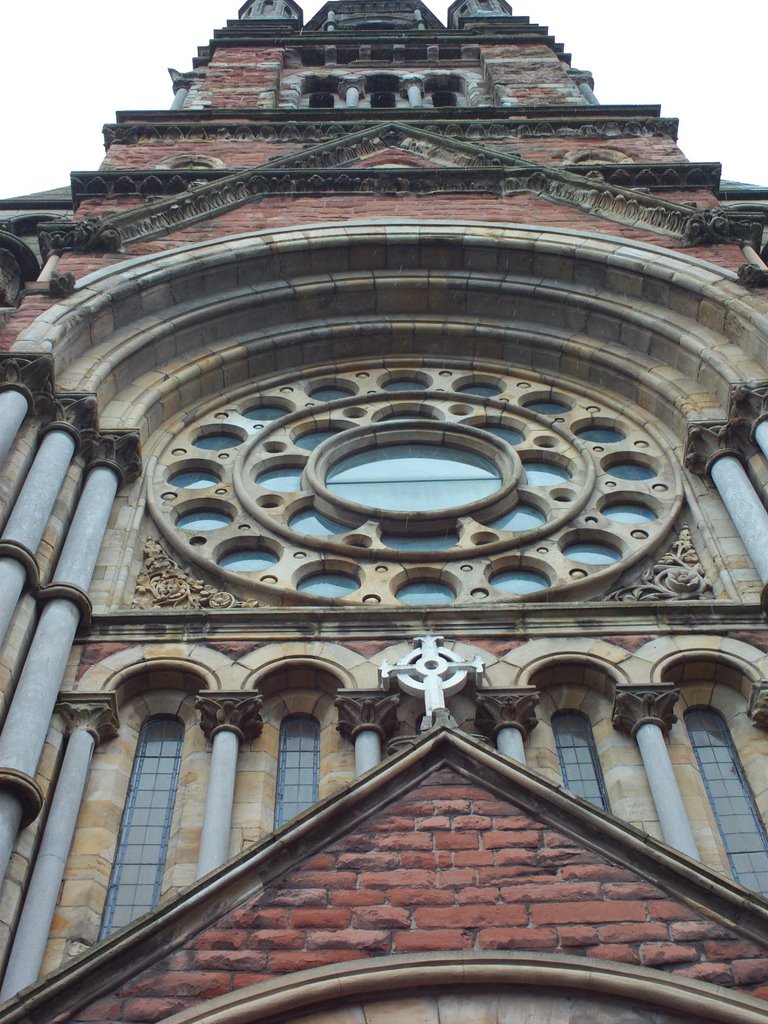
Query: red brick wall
(240, 77)
(447, 867)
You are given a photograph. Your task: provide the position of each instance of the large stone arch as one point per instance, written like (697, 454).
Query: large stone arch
(154, 334)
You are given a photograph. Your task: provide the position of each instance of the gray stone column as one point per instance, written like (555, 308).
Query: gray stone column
(507, 718)
(226, 719)
(90, 719)
(747, 512)
(648, 715)
(30, 515)
(13, 408)
(586, 84)
(350, 90)
(412, 86)
(367, 719)
(179, 98)
(26, 724)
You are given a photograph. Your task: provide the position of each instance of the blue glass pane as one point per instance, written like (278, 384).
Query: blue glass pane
(508, 434)
(425, 592)
(631, 471)
(481, 390)
(600, 435)
(287, 479)
(519, 581)
(297, 767)
(576, 752)
(329, 394)
(311, 440)
(328, 584)
(629, 514)
(548, 408)
(592, 554)
(543, 474)
(193, 479)
(142, 843)
(262, 414)
(404, 385)
(215, 442)
(413, 478)
(315, 525)
(420, 542)
(523, 517)
(742, 831)
(203, 521)
(247, 560)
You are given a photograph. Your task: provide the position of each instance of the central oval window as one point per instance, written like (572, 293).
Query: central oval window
(413, 478)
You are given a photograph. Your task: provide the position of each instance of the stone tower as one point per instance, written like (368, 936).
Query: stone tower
(383, 556)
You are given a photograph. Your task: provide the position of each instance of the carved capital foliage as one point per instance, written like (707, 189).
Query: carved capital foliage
(61, 285)
(710, 439)
(581, 77)
(78, 411)
(749, 401)
(497, 711)
(95, 713)
(758, 704)
(677, 576)
(752, 277)
(91, 234)
(367, 711)
(236, 712)
(120, 450)
(714, 226)
(31, 374)
(162, 583)
(353, 82)
(639, 706)
(183, 79)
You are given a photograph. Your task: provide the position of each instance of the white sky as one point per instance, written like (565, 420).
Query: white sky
(66, 66)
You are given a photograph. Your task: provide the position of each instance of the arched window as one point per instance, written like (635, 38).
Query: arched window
(729, 794)
(297, 768)
(576, 752)
(142, 845)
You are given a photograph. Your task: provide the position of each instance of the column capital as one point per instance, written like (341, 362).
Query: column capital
(758, 704)
(641, 705)
(505, 709)
(749, 401)
(352, 82)
(236, 711)
(95, 713)
(31, 374)
(709, 440)
(369, 710)
(118, 450)
(75, 413)
(581, 77)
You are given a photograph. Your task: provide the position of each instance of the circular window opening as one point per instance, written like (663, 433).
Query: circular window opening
(521, 518)
(330, 394)
(247, 560)
(545, 474)
(203, 521)
(287, 478)
(404, 385)
(592, 553)
(600, 435)
(263, 414)
(481, 390)
(193, 479)
(630, 471)
(420, 542)
(315, 525)
(520, 581)
(629, 514)
(425, 592)
(215, 442)
(311, 440)
(508, 434)
(328, 584)
(548, 407)
(413, 478)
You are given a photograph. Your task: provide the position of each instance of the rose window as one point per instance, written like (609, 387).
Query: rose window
(412, 486)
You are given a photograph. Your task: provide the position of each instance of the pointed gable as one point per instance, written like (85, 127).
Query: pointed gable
(448, 847)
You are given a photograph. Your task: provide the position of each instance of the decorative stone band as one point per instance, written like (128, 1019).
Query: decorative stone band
(95, 713)
(69, 592)
(758, 704)
(637, 706)
(21, 553)
(25, 790)
(368, 711)
(235, 711)
(499, 710)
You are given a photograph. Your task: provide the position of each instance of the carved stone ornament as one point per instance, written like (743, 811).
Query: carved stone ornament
(369, 711)
(758, 704)
(635, 707)
(235, 711)
(677, 576)
(496, 711)
(581, 77)
(709, 439)
(749, 400)
(120, 450)
(61, 285)
(709, 227)
(80, 412)
(31, 374)
(162, 583)
(751, 276)
(95, 713)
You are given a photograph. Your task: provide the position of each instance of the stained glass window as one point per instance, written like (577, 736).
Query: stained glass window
(297, 768)
(576, 752)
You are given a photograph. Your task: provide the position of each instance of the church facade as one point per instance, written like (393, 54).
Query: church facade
(383, 565)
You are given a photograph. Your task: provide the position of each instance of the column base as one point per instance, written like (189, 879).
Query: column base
(25, 790)
(20, 553)
(69, 592)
